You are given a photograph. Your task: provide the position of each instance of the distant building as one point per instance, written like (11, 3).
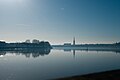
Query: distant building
(27, 41)
(35, 41)
(67, 44)
(74, 41)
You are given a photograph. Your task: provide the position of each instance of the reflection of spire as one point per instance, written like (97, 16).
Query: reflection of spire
(74, 41)
(74, 54)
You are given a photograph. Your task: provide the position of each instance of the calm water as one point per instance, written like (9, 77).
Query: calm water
(57, 63)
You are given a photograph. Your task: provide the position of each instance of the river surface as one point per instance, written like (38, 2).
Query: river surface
(55, 64)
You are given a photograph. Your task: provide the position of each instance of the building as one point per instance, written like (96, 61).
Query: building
(67, 44)
(27, 41)
(35, 41)
(74, 41)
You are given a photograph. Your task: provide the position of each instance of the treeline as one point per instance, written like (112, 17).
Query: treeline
(41, 44)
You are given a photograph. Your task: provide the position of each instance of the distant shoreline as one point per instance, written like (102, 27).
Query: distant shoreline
(24, 46)
(90, 47)
(106, 75)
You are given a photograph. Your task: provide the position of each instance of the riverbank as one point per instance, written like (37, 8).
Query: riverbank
(107, 75)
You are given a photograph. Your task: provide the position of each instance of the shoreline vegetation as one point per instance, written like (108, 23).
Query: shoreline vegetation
(45, 44)
(27, 45)
(106, 75)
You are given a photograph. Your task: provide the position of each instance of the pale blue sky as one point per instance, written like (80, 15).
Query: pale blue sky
(58, 21)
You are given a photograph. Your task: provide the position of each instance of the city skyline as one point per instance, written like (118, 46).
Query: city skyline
(58, 21)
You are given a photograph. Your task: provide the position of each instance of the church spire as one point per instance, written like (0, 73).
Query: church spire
(74, 41)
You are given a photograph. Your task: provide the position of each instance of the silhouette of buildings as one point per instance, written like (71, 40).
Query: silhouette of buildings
(67, 44)
(70, 44)
(27, 41)
(35, 41)
(110, 47)
(74, 41)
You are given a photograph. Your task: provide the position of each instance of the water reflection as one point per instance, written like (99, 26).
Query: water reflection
(42, 52)
(27, 52)
(72, 62)
(87, 50)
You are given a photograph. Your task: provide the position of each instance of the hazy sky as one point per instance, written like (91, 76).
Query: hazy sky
(58, 21)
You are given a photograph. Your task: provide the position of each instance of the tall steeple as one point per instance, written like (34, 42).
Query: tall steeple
(74, 41)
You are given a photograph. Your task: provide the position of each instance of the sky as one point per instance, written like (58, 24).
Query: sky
(58, 21)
